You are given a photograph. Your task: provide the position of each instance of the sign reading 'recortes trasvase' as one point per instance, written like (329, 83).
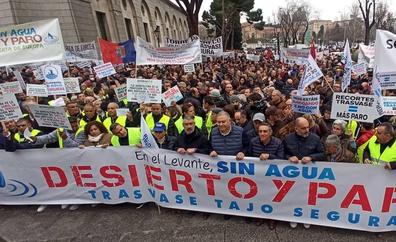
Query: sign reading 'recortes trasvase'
(31, 42)
(357, 107)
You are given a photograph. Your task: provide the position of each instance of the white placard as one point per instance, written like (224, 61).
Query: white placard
(306, 104)
(172, 95)
(31, 42)
(253, 57)
(122, 111)
(121, 92)
(144, 90)
(389, 105)
(361, 108)
(10, 87)
(387, 80)
(9, 107)
(359, 69)
(105, 70)
(50, 116)
(189, 68)
(59, 102)
(34, 90)
(53, 79)
(72, 85)
(213, 47)
(38, 74)
(385, 51)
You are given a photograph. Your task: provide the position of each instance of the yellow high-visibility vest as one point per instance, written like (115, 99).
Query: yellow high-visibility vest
(179, 123)
(133, 137)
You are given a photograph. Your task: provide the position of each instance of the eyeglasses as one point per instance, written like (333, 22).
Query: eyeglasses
(264, 131)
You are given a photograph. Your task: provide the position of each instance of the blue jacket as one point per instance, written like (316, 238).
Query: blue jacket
(274, 148)
(230, 144)
(299, 146)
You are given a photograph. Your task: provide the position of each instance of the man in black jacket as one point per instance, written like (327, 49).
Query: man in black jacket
(164, 141)
(191, 140)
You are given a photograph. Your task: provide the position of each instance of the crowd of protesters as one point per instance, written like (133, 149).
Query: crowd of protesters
(230, 106)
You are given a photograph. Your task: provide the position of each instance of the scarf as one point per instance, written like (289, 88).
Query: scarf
(95, 139)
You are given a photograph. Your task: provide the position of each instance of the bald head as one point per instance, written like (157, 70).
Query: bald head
(302, 127)
(112, 109)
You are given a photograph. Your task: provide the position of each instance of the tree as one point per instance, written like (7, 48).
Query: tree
(191, 10)
(224, 17)
(294, 19)
(366, 10)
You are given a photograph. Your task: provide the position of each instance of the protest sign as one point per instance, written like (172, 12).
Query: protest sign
(34, 90)
(306, 104)
(385, 49)
(79, 52)
(50, 116)
(53, 79)
(295, 55)
(9, 107)
(31, 42)
(312, 73)
(389, 105)
(72, 85)
(253, 57)
(172, 95)
(83, 64)
(19, 78)
(146, 138)
(359, 69)
(104, 70)
(322, 193)
(122, 111)
(144, 90)
(121, 92)
(10, 87)
(189, 68)
(359, 107)
(228, 54)
(146, 54)
(387, 80)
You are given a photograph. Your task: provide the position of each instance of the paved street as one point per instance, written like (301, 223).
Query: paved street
(126, 223)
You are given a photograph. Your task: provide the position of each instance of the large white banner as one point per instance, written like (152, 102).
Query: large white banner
(31, 42)
(146, 54)
(359, 107)
(320, 193)
(80, 52)
(213, 47)
(295, 55)
(144, 90)
(385, 51)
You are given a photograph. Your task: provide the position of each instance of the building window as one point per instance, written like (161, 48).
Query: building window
(167, 33)
(146, 32)
(128, 25)
(103, 28)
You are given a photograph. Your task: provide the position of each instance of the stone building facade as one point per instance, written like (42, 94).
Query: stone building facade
(114, 20)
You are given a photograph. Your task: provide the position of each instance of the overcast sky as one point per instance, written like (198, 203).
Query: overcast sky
(325, 9)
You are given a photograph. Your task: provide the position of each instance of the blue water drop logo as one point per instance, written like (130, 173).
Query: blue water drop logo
(2, 180)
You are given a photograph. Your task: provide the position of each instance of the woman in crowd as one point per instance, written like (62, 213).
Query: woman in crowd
(96, 135)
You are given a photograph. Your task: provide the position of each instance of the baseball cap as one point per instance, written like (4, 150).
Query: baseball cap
(159, 127)
(259, 116)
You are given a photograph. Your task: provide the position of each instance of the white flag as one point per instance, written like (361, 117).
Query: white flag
(347, 60)
(312, 73)
(146, 138)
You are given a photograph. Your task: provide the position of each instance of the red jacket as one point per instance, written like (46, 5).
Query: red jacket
(364, 137)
